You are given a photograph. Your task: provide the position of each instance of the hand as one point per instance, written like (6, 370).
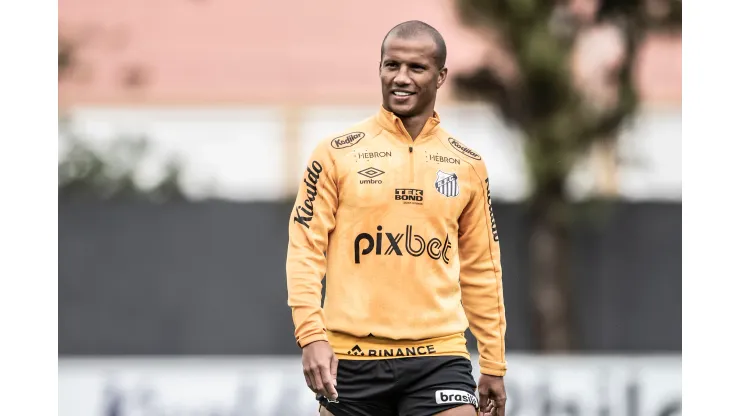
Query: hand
(320, 369)
(492, 395)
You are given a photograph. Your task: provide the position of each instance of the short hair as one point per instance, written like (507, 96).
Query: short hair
(413, 28)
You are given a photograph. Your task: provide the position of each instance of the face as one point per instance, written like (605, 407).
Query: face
(409, 76)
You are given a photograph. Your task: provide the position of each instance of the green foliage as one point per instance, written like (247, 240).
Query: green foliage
(559, 125)
(85, 172)
(66, 56)
(558, 122)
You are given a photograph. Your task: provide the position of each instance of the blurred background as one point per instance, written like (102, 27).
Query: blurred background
(184, 126)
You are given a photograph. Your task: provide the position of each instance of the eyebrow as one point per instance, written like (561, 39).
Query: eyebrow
(410, 62)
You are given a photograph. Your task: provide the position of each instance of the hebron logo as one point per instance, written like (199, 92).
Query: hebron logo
(415, 245)
(455, 396)
(371, 155)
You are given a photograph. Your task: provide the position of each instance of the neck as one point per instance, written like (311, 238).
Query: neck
(415, 124)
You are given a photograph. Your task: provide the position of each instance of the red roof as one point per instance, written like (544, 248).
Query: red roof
(246, 51)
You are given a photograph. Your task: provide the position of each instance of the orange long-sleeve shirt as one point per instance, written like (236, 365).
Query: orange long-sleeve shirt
(403, 231)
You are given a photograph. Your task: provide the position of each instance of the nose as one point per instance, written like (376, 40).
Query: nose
(402, 77)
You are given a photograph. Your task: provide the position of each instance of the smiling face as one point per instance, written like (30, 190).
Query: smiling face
(409, 75)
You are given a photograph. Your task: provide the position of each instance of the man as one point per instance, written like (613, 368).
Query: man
(397, 215)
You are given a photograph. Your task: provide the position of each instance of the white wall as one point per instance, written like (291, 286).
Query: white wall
(267, 386)
(233, 153)
(651, 155)
(241, 153)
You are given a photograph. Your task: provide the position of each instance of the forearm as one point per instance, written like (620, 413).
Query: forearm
(481, 280)
(311, 222)
(304, 299)
(484, 308)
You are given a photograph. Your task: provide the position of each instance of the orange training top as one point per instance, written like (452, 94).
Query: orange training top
(403, 230)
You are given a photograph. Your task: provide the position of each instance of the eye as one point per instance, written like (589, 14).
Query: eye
(391, 65)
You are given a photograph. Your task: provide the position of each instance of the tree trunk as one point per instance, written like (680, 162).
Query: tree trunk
(549, 250)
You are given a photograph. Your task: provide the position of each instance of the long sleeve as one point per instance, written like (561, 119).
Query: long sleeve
(311, 222)
(481, 276)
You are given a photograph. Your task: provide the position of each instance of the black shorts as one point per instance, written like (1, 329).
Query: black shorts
(415, 386)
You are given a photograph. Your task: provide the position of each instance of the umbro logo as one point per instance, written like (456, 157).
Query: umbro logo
(371, 173)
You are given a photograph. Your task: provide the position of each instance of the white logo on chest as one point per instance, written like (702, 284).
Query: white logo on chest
(446, 184)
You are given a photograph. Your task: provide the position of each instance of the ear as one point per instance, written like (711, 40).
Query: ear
(441, 77)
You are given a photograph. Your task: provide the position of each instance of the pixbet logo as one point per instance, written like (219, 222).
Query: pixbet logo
(414, 244)
(455, 396)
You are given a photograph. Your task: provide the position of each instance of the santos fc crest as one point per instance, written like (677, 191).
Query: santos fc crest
(446, 184)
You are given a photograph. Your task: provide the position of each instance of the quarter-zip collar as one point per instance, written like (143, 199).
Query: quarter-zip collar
(394, 125)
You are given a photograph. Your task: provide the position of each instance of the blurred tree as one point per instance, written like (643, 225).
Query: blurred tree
(66, 54)
(111, 173)
(85, 172)
(562, 110)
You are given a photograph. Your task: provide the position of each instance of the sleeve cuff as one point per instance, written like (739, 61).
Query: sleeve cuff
(492, 368)
(312, 338)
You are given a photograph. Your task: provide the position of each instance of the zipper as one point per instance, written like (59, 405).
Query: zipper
(400, 127)
(411, 165)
